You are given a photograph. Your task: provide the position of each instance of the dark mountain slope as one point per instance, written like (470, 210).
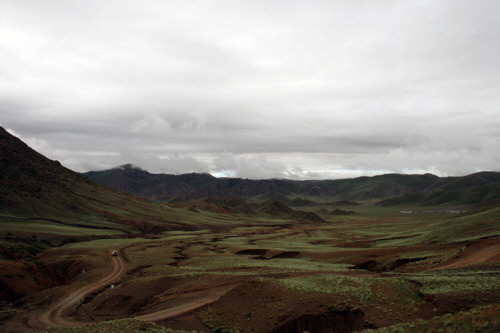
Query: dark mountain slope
(464, 196)
(162, 187)
(34, 188)
(266, 209)
(379, 187)
(390, 189)
(469, 181)
(140, 183)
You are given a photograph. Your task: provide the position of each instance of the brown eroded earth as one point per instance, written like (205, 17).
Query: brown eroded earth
(477, 252)
(56, 314)
(248, 289)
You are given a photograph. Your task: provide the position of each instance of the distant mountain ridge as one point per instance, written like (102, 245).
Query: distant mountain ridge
(387, 189)
(269, 208)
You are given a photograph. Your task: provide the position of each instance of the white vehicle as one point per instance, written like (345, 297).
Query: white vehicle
(114, 253)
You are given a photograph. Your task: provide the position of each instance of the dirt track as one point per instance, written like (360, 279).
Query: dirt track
(55, 314)
(476, 254)
(198, 299)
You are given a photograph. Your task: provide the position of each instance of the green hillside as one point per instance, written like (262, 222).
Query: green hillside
(443, 196)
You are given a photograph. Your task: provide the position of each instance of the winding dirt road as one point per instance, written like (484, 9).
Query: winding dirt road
(55, 314)
(472, 256)
(190, 301)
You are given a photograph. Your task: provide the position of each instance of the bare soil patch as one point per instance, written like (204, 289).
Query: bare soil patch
(479, 251)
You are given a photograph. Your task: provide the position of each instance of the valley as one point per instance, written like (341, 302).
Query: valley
(355, 273)
(216, 264)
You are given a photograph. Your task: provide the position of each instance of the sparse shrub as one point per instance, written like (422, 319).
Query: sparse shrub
(32, 250)
(40, 264)
(46, 242)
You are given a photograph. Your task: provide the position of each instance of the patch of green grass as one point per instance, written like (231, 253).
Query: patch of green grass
(458, 229)
(481, 319)
(240, 264)
(406, 292)
(296, 265)
(441, 282)
(328, 283)
(47, 227)
(364, 290)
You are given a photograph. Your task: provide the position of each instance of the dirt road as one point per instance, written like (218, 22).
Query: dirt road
(483, 252)
(55, 314)
(189, 301)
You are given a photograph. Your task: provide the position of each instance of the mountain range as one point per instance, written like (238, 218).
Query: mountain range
(387, 189)
(43, 195)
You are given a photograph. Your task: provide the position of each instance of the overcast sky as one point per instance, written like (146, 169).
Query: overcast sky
(256, 88)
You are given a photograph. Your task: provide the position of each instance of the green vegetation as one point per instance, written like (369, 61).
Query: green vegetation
(47, 227)
(481, 319)
(439, 228)
(328, 283)
(445, 282)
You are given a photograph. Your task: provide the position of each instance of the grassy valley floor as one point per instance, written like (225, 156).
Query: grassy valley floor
(379, 270)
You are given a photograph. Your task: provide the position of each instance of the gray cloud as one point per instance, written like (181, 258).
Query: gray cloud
(255, 89)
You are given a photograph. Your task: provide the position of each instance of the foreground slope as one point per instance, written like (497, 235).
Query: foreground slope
(343, 276)
(45, 205)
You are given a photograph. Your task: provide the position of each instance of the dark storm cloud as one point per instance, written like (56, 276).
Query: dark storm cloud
(255, 89)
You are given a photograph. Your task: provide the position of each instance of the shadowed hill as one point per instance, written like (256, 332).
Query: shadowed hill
(459, 183)
(34, 188)
(452, 193)
(162, 187)
(391, 189)
(275, 208)
(269, 208)
(140, 183)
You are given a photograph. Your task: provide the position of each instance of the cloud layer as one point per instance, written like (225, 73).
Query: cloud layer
(255, 89)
